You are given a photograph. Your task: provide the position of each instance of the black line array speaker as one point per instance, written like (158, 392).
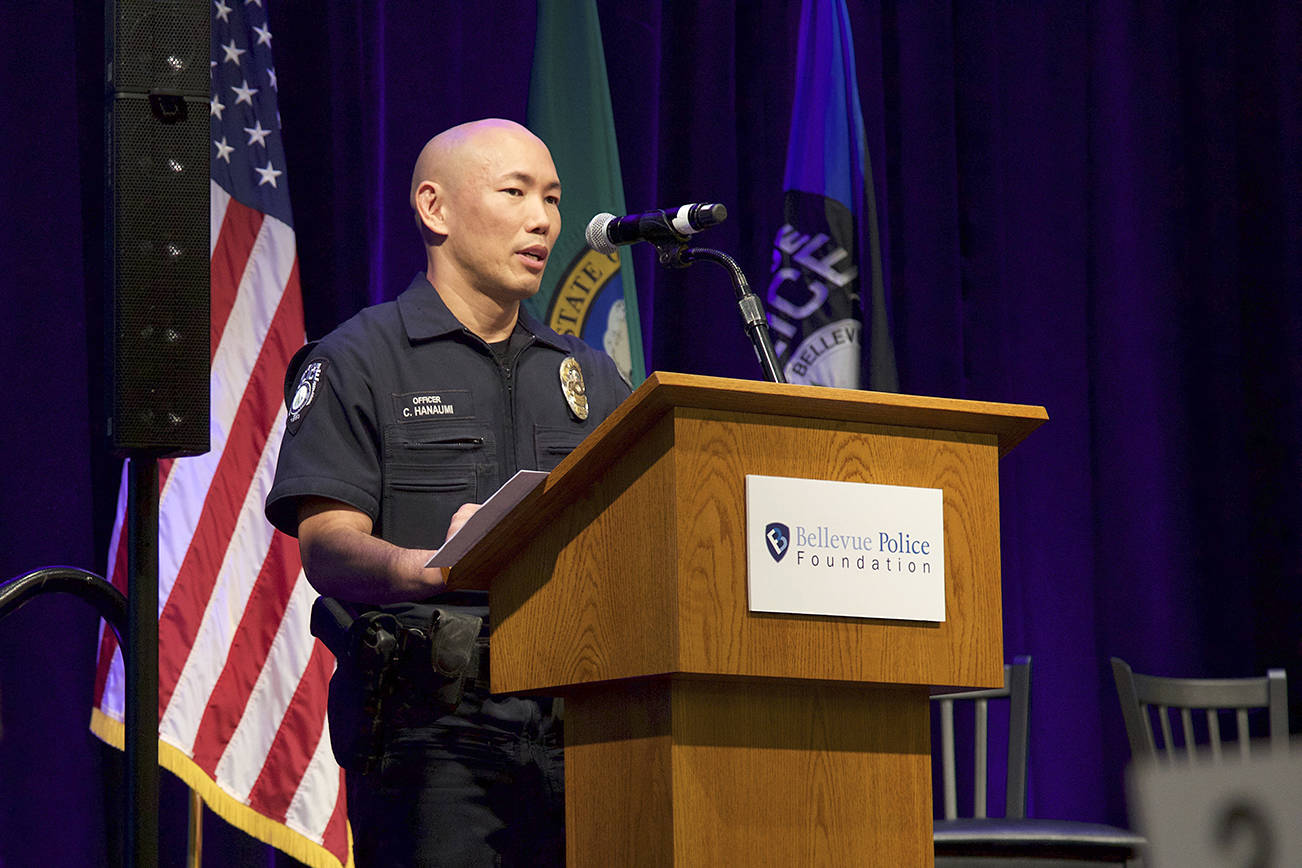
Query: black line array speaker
(156, 167)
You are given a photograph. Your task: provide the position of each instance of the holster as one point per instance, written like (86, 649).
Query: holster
(454, 653)
(390, 675)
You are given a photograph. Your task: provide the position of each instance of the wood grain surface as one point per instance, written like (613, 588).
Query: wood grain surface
(687, 772)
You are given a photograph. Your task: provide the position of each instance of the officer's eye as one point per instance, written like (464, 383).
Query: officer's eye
(513, 191)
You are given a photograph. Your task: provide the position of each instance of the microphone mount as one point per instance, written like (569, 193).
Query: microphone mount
(748, 303)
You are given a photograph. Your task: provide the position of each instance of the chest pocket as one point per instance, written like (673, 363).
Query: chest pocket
(429, 471)
(552, 444)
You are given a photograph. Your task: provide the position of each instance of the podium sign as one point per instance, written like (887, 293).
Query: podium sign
(822, 547)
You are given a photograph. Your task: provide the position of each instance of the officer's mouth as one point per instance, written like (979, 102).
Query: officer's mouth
(534, 257)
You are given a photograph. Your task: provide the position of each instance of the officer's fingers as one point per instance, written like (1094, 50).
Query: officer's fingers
(461, 516)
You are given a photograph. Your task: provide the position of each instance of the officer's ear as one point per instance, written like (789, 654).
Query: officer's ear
(431, 207)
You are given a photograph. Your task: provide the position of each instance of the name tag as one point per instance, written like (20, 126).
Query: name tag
(424, 406)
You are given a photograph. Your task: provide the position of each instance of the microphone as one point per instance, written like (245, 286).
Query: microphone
(605, 231)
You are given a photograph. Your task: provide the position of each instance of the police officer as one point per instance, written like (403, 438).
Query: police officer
(399, 423)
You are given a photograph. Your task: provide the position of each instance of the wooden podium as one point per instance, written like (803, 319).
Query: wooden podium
(696, 731)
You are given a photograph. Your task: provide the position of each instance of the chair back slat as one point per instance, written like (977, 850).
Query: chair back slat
(947, 758)
(1147, 731)
(1241, 730)
(1186, 726)
(1168, 740)
(1214, 733)
(979, 779)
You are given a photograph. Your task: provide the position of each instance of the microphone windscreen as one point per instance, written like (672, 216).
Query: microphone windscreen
(596, 235)
(712, 215)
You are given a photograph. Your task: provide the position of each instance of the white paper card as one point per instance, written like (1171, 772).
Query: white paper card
(516, 489)
(1199, 814)
(818, 547)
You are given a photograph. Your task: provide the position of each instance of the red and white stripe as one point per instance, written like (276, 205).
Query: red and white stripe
(242, 683)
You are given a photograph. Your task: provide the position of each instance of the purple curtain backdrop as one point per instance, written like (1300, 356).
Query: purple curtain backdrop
(1094, 207)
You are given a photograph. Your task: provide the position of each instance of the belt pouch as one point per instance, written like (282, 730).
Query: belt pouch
(454, 653)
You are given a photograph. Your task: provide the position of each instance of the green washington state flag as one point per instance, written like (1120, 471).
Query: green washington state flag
(584, 293)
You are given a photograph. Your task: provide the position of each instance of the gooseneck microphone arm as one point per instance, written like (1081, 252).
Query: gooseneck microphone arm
(752, 310)
(669, 231)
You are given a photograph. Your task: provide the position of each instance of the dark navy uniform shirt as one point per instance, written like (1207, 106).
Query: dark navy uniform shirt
(405, 414)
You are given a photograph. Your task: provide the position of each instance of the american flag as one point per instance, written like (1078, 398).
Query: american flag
(242, 683)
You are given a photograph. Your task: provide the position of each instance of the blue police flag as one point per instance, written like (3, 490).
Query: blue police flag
(817, 309)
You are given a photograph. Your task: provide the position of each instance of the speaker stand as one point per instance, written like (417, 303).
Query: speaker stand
(141, 661)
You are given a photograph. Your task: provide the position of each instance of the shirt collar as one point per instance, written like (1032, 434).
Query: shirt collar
(425, 316)
(541, 333)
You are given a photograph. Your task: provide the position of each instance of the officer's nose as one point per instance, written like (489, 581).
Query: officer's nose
(540, 217)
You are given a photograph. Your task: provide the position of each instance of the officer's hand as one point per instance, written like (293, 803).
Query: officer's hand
(460, 517)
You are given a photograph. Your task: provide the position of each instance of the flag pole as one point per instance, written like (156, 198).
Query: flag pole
(194, 840)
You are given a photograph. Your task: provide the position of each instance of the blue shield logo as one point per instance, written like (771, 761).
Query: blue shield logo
(777, 537)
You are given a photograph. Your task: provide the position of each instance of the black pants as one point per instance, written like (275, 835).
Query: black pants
(462, 796)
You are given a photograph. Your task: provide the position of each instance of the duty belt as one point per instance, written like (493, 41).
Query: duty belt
(406, 675)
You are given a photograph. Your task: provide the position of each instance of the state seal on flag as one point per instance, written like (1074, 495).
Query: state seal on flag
(589, 304)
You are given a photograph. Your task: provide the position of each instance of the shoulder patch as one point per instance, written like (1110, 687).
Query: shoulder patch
(309, 384)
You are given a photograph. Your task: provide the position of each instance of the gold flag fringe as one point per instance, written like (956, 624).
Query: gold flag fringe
(230, 809)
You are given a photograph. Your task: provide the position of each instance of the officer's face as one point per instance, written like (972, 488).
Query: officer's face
(504, 215)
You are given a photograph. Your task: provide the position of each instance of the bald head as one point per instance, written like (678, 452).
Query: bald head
(456, 152)
(487, 199)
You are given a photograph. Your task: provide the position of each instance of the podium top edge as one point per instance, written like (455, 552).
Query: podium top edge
(662, 390)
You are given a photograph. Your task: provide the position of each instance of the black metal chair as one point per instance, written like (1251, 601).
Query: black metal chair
(1203, 799)
(1151, 704)
(982, 840)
